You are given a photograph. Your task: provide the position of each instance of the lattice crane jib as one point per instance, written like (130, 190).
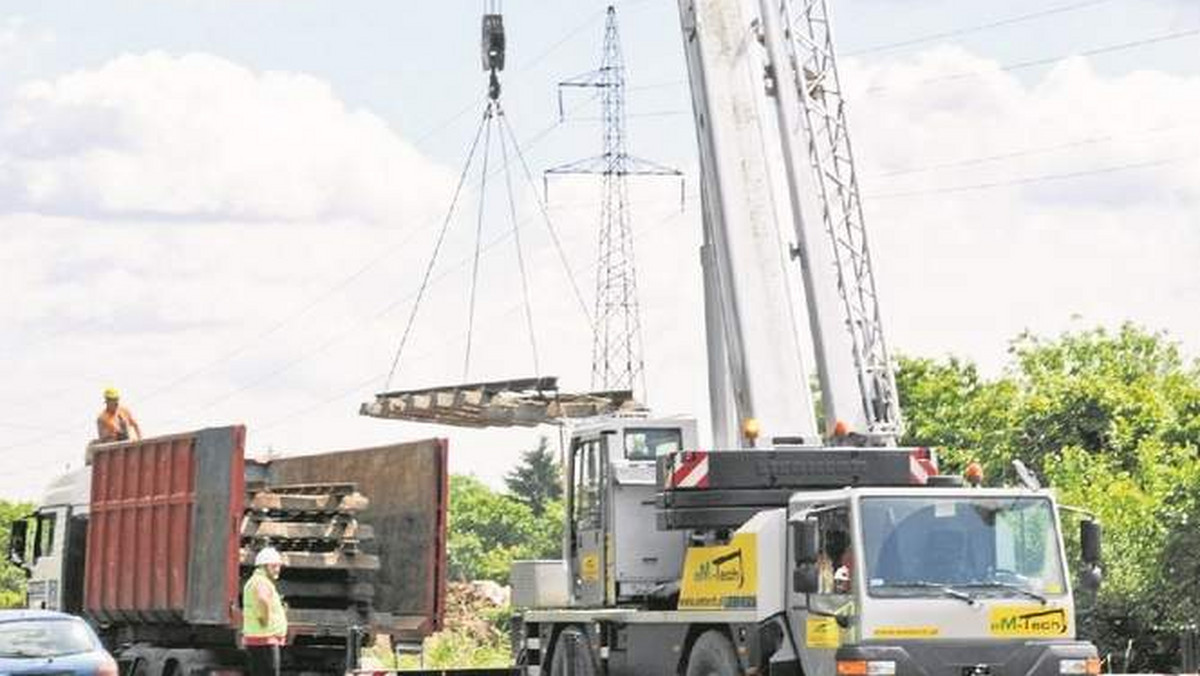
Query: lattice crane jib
(808, 52)
(617, 362)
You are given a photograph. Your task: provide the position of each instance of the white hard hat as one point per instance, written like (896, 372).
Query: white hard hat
(267, 556)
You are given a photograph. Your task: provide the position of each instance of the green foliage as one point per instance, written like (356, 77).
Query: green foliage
(12, 578)
(451, 649)
(537, 481)
(488, 530)
(1112, 422)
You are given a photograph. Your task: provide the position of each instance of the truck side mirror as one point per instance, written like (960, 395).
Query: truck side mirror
(1089, 541)
(807, 541)
(1089, 545)
(16, 542)
(805, 578)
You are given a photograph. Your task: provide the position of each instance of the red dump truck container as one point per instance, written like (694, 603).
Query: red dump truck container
(163, 529)
(167, 545)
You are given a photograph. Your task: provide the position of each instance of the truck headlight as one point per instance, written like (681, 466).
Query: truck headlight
(866, 668)
(1079, 667)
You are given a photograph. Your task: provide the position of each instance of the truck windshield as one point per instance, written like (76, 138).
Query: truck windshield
(922, 546)
(45, 638)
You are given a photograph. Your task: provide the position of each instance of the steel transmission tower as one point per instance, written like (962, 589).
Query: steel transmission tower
(617, 342)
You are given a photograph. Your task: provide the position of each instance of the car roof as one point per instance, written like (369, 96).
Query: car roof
(15, 615)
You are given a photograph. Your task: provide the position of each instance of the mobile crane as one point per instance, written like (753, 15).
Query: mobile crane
(793, 548)
(797, 551)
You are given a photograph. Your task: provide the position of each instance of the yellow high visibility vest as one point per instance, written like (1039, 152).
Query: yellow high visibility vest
(252, 624)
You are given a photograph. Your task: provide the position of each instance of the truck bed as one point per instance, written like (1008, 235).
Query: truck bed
(165, 521)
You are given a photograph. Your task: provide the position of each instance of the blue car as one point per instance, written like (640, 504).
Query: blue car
(46, 642)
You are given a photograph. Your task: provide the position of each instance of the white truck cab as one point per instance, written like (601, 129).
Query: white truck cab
(965, 581)
(48, 544)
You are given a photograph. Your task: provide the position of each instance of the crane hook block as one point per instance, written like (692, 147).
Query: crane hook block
(493, 42)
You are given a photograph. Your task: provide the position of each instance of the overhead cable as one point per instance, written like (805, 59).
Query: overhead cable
(931, 37)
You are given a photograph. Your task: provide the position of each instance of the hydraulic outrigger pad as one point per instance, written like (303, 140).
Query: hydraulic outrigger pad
(524, 402)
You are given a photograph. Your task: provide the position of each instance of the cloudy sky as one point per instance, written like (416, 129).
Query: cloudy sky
(224, 208)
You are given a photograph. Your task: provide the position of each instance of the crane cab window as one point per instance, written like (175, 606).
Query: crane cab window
(648, 443)
(588, 467)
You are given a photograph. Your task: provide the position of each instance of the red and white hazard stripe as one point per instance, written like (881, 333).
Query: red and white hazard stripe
(692, 470)
(921, 466)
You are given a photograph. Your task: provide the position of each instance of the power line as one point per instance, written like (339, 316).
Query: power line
(1020, 18)
(1033, 179)
(529, 64)
(1021, 65)
(529, 143)
(363, 384)
(296, 361)
(1028, 152)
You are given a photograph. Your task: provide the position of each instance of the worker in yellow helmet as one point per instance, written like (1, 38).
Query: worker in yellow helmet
(115, 422)
(264, 618)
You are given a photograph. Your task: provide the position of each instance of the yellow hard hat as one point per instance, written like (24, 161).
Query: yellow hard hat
(111, 393)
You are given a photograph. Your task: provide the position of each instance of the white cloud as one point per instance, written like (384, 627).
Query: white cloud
(247, 201)
(1095, 212)
(200, 137)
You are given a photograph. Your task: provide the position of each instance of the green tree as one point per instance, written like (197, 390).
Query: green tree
(1111, 420)
(537, 480)
(12, 578)
(489, 529)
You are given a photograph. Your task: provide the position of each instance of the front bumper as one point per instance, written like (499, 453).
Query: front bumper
(968, 657)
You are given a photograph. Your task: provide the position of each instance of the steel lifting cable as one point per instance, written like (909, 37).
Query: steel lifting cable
(488, 117)
(462, 179)
(512, 208)
(562, 256)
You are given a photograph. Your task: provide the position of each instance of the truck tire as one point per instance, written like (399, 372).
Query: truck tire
(572, 662)
(712, 655)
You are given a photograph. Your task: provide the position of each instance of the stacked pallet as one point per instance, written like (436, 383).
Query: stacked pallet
(328, 572)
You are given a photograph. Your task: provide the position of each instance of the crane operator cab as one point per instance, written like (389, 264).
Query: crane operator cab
(612, 549)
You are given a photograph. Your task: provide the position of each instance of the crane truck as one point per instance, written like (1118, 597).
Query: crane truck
(791, 548)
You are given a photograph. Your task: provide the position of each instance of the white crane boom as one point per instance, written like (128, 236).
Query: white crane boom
(746, 256)
(806, 155)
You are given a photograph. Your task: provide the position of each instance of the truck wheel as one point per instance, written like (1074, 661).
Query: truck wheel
(572, 654)
(712, 655)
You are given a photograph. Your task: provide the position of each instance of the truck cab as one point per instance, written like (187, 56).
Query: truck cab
(50, 544)
(893, 581)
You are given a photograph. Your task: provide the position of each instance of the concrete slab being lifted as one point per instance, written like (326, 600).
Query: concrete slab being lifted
(524, 402)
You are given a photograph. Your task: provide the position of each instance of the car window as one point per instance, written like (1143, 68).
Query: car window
(45, 638)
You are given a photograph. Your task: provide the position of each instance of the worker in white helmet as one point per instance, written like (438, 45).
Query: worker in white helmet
(264, 619)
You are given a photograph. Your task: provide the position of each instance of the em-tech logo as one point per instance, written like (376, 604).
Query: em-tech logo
(1027, 621)
(721, 576)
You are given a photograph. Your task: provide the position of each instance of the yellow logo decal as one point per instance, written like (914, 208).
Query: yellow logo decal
(1027, 621)
(721, 576)
(589, 568)
(821, 632)
(927, 631)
